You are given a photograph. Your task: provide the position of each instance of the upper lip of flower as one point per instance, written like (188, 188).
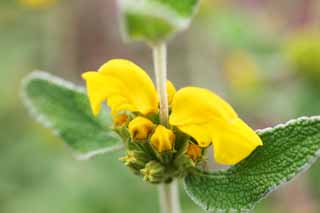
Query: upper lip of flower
(124, 84)
(196, 111)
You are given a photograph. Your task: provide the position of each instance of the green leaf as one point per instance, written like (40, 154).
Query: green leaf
(155, 21)
(64, 107)
(288, 150)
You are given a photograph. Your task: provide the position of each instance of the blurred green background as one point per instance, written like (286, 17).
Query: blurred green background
(263, 56)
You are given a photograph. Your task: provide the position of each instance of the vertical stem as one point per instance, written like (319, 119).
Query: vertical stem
(160, 66)
(169, 197)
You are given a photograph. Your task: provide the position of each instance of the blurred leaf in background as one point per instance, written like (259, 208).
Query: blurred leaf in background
(243, 74)
(302, 51)
(155, 21)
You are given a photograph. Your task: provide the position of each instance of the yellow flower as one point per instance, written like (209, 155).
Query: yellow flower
(209, 119)
(197, 112)
(140, 128)
(125, 85)
(37, 3)
(162, 139)
(194, 151)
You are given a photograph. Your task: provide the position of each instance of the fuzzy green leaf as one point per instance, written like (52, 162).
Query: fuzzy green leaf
(64, 107)
(155, 21)
(288, 150)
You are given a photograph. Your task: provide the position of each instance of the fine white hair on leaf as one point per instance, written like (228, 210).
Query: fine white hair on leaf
(290, 122)
(310, 160)
(42, 119)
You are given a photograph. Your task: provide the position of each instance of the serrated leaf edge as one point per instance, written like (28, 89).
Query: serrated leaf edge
(280, 183)
(40, 118)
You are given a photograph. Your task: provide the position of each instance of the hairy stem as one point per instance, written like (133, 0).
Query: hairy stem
(160, 67)
(169, 197)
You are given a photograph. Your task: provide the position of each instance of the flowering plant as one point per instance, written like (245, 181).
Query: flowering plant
(162, 150)
(165, 133)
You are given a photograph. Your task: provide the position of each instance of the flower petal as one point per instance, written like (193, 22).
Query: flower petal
(200, 132)
(209, 119)
(193, 105)
(124, 85)
(234, 142)
(171, 90)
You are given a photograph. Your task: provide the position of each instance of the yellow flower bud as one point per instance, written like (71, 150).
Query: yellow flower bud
(153, 172)
(163, 139)
(120, 119)
(140, 128)
(194, 151)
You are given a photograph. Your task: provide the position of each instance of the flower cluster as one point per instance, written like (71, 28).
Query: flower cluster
(198, 118)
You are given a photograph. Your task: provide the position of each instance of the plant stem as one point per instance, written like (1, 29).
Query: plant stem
(169, 197)
(160, 67)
